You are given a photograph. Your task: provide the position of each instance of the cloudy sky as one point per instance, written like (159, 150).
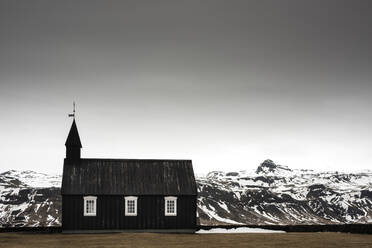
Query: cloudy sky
(224, 83)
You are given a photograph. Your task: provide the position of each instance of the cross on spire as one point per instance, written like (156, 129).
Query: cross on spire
(73, 111)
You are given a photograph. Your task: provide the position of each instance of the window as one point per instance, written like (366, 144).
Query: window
(90, 205)
(170, 206)
(130, 205)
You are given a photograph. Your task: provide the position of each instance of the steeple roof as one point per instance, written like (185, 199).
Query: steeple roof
(73, 138)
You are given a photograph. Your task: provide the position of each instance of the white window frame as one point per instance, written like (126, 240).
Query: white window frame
(130, 198)
(166, 200)
(90, 198)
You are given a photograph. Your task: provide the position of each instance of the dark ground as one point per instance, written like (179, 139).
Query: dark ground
(256, 240)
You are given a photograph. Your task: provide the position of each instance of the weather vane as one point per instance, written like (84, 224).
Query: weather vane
(73, 111)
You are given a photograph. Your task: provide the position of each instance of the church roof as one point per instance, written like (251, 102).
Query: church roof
(128, 177)
(73, 138)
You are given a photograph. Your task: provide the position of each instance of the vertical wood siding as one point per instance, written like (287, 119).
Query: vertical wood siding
(111, 213)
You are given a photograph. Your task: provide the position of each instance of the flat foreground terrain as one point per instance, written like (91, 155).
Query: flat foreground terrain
(257, 240)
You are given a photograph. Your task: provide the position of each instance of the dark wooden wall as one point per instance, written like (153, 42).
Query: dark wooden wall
(111, 213)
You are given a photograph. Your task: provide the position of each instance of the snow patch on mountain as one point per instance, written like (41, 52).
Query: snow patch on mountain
(238, 230)
(32, 179)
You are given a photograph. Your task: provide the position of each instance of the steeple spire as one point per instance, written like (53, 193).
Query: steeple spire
(73, 138)
(73, 143)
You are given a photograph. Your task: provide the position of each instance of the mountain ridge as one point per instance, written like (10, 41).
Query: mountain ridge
(271, 194)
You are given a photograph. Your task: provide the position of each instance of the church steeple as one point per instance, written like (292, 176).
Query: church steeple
(73, 143)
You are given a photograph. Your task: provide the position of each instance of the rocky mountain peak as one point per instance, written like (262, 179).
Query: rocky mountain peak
(268, 166)
(215, 174)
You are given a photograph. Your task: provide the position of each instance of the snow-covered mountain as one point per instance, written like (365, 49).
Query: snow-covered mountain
(28, 198)
(275, 194)
(272, 194)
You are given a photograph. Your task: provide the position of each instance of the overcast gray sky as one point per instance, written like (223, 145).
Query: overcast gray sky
(224, 83)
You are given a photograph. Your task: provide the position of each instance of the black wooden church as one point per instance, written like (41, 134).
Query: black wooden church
(126, 194)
